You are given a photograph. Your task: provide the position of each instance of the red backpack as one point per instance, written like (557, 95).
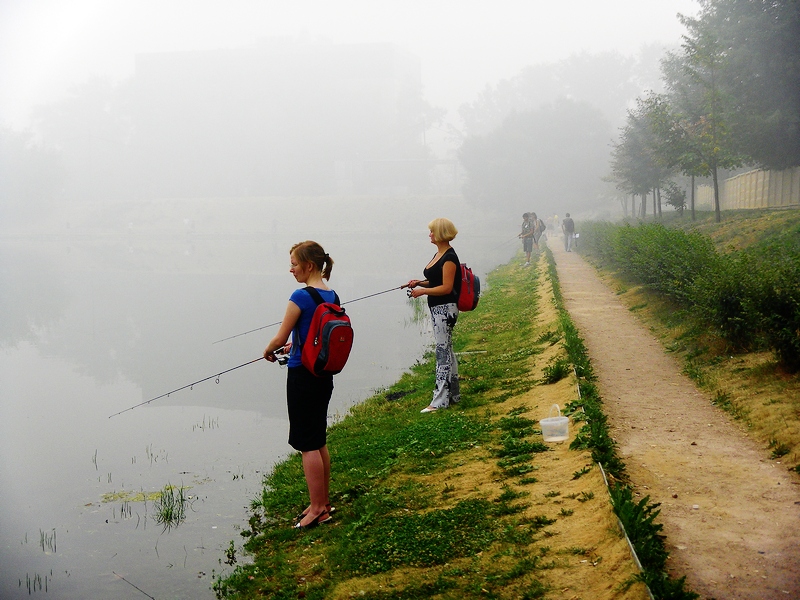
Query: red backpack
(470, 291)
(330, 337)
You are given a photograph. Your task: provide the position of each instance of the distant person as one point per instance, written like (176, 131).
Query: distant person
(307, 395)
(527, 237)
(441, 284)
(568, 227)
(538, 230)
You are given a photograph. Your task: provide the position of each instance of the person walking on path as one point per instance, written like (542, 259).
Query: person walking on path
(441, 284)
(568, 227)
(307, 395)
(526, 235)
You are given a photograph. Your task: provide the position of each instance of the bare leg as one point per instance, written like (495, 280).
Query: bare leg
(316, 467)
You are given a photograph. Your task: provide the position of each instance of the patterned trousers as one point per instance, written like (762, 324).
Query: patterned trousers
(444, 318)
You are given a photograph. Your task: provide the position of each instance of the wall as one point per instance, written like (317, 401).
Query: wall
(754, 189)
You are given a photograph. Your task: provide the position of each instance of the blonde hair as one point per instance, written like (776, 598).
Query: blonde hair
(443, 230)
(310, 252)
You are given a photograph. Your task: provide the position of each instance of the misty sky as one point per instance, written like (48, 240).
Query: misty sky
(46, 46)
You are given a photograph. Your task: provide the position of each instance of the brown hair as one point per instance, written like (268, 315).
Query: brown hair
(312, 253)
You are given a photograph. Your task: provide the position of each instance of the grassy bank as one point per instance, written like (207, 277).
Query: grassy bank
(468, 502)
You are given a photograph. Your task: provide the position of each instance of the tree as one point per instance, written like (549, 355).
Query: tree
(761, 72)
(702, 106)
(548, 157)
(30, 176)
(637, 159)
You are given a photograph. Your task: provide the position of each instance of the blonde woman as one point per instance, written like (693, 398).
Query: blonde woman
(441, 285)
(307, 396)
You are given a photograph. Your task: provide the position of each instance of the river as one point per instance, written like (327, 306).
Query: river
(105, 308)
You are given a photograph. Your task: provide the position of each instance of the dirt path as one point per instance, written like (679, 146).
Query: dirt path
(730, 514)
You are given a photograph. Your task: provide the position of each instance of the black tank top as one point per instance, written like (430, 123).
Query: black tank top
(435, 276)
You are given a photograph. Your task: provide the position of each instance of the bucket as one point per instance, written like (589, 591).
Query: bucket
(555, 429)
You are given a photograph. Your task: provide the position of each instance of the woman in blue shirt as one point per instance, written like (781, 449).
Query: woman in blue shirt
(307, 396)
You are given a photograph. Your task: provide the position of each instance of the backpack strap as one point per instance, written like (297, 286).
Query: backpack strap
(317, 297)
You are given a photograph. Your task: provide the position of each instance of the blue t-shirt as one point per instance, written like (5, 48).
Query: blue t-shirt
(307, 307)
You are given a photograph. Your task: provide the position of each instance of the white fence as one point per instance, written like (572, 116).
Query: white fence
(754, 189)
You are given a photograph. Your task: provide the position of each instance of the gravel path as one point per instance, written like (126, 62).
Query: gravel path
(731, 515)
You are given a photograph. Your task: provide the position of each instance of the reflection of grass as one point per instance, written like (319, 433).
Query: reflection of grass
(419, 310)
(171, 507)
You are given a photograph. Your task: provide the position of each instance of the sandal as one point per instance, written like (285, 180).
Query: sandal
(330, 509)
(322, 517)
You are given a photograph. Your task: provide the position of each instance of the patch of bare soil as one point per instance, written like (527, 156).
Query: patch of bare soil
(731, 516)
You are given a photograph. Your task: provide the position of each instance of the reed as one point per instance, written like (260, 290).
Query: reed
(170, 507)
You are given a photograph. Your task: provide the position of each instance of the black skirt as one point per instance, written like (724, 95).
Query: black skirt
(307, 398)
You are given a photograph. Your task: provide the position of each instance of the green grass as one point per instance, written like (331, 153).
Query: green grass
(387, 518)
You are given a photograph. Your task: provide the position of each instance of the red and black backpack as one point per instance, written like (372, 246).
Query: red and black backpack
(330, 337)
(470, 291)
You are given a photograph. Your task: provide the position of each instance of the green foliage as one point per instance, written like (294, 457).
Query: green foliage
(556, 371)
(638, 518)
(750, 298)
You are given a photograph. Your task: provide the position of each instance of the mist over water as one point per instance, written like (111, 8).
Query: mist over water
(98, 319)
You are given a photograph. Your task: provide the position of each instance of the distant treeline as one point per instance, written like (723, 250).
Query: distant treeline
(750, 298)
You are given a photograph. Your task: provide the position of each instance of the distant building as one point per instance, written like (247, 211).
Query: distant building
(280, 118)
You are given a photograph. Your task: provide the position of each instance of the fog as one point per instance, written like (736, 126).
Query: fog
(158, 160)
(128, 101)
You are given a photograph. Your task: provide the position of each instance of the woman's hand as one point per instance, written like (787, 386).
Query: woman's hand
(416, 292)
(272, 355)
(411, 284)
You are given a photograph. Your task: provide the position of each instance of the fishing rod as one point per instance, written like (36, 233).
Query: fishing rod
(279, 322)
(190, 385)
(501, 245)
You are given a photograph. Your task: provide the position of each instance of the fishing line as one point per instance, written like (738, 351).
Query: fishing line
(506, 243)
(189, 385)
(279, 322)
(136, 586)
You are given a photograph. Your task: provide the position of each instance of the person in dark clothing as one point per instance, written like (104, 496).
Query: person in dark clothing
(526, 235)
(568, 227)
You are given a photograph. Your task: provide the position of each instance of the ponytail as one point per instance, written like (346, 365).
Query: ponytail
(311, 252)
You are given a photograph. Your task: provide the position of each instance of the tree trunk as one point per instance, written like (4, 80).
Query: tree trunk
(644, 207)
(658, 191)
(692, 199)
(717, 216)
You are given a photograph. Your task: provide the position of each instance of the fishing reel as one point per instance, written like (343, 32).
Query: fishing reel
(281, 357)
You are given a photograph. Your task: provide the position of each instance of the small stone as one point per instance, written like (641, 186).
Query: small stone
(695, 506)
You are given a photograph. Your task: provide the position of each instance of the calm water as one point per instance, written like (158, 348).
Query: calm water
(94, 323)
